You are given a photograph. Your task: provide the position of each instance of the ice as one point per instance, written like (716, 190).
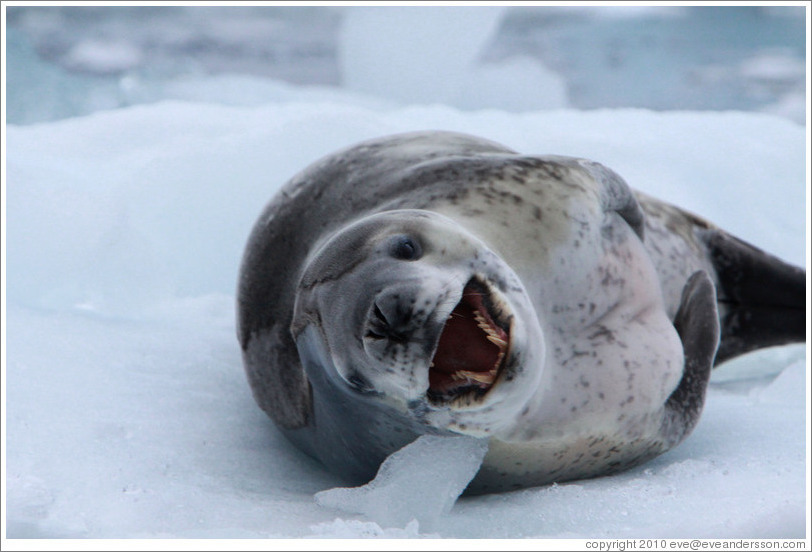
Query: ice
(419, 482)
(516, 84)
(778, 67)
(438, 46)
(103, 56)
(676, 57)
(378, 43)
(158, 200)
(247, 90)
(43, 92)
(791, 377)
(355, 529)
(778, 74)
(126, 411)
(791, 106)
(763, 363)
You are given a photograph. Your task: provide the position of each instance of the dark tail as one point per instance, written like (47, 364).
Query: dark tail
(762, 299)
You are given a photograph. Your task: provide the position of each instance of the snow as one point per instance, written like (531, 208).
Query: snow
(128, 414)
(126, 411)
(159, 199)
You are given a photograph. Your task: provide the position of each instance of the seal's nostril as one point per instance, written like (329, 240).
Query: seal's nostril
(360, 383)
(372, 334)
(379, 315)
(393, 311)
(391, 319)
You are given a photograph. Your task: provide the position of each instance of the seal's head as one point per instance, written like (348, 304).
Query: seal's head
(416, 313)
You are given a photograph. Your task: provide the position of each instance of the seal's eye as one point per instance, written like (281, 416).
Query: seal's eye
(405, 248)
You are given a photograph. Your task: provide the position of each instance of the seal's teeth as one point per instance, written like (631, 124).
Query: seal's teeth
(501, 343)
(479, 377)
(482, 378)
(485, 326)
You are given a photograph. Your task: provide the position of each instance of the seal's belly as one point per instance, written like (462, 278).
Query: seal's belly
(515, 465)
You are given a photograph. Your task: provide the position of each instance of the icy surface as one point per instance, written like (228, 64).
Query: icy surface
(419, 482)
(158, 200)
(127, 413)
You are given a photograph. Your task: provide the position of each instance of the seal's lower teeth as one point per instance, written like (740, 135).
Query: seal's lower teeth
(479, 377)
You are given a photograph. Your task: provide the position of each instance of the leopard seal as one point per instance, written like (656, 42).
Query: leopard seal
(439, 283)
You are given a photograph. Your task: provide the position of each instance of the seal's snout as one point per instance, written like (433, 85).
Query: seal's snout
(399, 336)
(392, 316)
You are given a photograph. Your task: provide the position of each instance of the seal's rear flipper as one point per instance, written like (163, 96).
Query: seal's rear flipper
(762, 299)
(697, 324)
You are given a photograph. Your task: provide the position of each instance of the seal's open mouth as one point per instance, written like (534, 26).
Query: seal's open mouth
(472, 348)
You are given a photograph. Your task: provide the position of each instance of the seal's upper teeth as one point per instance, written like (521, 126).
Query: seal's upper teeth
(496, 340)
(492, 333)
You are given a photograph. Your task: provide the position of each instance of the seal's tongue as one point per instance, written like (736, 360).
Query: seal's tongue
(470, 349)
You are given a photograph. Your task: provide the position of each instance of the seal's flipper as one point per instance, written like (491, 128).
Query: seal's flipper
(762, 299)
(697, 324)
